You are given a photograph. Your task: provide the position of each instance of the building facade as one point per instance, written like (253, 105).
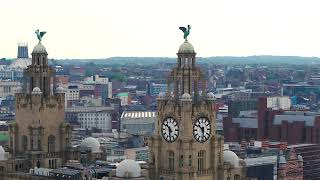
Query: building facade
(185, 145)
(138, 122)
(40, 136)
(92, 117)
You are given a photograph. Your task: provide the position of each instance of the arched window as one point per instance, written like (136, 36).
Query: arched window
(24, 143)
(171, 160)
(51, 143)
(237, 177)
(201, 160)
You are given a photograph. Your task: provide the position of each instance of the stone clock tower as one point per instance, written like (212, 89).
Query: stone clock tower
(185, 145)
(40, 135)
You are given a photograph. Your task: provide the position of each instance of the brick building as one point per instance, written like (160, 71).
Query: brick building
(275, 123)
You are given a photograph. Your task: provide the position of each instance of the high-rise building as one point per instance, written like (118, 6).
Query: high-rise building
(40, 136)
(185, 144)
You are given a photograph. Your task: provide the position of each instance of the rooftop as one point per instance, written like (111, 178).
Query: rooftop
(246, 122)
(138, 114)
(260, 161)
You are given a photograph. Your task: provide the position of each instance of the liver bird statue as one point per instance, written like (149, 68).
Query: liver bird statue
(186, 31)
(40, 34)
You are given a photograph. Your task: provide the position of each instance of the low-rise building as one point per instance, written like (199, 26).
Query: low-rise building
(138, 122)
(93, 117)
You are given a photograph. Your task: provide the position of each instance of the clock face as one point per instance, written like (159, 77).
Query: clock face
(170, 129)
(202, 129)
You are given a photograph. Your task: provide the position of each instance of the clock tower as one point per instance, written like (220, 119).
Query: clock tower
(185, 145)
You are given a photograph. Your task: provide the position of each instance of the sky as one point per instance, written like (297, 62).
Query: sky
(107, 28)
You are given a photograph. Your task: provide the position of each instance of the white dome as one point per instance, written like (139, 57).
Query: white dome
(162, 95)
(231, 157)
(128, 168)
(282, 160)
(300, 158)
(186, 97)
(2, 153)
(39, 48)
(36, 90)
(91, 143)
(60, 89)
(20, 63)
(186, 47)
(19, 89)
(211, 96)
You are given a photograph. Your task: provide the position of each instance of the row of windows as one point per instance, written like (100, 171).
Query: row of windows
(94, 119)
(37, 144)
(87, 114)
(201, 160)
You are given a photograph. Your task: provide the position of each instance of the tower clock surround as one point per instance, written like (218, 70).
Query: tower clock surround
(202, 129)
(170, 129)
(196, 152)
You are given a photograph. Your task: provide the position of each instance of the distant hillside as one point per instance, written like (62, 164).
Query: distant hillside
(210, 60)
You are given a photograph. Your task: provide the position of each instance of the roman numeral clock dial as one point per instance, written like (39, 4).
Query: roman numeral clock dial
(170, 129)
(202, 129)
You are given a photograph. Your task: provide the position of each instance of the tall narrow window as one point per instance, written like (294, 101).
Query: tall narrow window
(201, 160)
(190, 160)
(181, 161)
(51, 143)
(237, 177)
(39, 145)
(171, 160)
(24, 143)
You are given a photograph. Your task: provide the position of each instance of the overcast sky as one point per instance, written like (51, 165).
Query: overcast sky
(106, 28)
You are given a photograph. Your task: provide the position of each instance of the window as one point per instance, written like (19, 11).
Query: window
(171, 160)
(201, 160)
(24, 143)
(237, 177)
(51, 143)
(181, 161)
(39, 145)
(190, 160)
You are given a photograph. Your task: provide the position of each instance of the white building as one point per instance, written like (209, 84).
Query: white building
(8, 88)
(124, 97)
(279, 102)
(93, 117)
(101, 80)
(138, 122)
(72, 93)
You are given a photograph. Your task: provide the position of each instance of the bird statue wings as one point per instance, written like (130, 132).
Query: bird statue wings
(186, 31)
(40, 34)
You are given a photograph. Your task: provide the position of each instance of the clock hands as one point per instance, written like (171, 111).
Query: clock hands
(202, 130)
(169, 129)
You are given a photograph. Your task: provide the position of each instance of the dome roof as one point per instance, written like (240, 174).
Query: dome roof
(20, 63)
(39, 48)
(186, 96)
(231, 157)
(300, 158)
(36, 90)
(186, 47)
(211, 96)
(19, 89)
(128, 168)
(91, 143)
(162, 95)
(282, 160)
(60, 89)
(2, 153)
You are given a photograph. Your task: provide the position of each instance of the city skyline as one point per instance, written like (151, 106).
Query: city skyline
(101, 29)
